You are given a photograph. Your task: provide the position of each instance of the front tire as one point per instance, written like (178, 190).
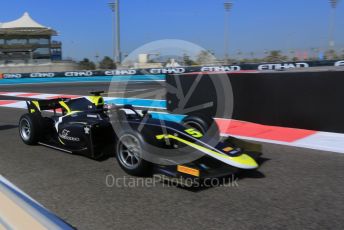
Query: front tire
(205, 125)
(197, 122)
(129, 151)
(29, 130)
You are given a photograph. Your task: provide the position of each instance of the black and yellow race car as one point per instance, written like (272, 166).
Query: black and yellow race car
(142, 145)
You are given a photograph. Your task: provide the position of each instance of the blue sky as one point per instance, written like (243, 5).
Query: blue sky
(255, 25)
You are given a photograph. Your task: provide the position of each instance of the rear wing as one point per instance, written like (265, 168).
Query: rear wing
(37, 106)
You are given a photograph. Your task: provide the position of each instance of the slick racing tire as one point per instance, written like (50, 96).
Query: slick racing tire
(129, 151)
(197, 122)
(29, 129)
(206, 126)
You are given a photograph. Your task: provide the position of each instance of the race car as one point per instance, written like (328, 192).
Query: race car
(141, 144)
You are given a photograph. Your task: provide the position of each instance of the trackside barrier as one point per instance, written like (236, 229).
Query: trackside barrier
(305, 100)
(20, 211)
(179, 70)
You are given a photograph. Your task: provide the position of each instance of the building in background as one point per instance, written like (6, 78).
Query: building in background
(24, 41)
(27, 46)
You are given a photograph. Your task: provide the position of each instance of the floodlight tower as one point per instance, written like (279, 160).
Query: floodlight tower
(333, 4)
(114, 6)
(228, 6)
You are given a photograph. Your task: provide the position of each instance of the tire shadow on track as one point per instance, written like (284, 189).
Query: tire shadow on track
(253, 173)
(226, 181)
(7, 127)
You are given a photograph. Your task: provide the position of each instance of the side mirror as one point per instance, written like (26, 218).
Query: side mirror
(97, 93)
(145, 114)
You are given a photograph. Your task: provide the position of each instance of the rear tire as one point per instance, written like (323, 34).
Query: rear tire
(29, 129)
(129, 151)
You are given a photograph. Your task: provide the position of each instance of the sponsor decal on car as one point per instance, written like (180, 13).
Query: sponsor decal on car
(188, 170)
(194, 133)
(65, 135)
(87, 130)
(227, 149)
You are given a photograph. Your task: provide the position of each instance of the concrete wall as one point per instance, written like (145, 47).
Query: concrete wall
(44, 67)
(308, 100)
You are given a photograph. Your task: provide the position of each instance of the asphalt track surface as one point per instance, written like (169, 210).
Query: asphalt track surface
(294, 189)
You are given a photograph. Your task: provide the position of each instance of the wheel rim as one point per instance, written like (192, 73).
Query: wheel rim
(25, 129)
(129, 151)
(195, 125)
